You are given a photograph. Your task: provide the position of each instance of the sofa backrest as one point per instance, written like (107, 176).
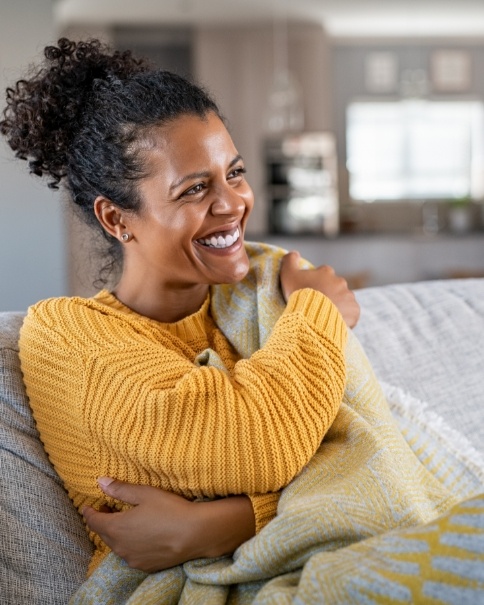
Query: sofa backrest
(44, 549)
(427, 338)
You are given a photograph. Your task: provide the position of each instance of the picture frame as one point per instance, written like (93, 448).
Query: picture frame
(451, 70)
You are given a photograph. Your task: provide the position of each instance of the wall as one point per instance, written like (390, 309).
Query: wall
(32, 253)
(236, 65)
(380, 259)
(348, 84)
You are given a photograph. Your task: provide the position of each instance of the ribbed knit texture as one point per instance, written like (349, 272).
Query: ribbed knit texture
(331, 541)
(176, 406)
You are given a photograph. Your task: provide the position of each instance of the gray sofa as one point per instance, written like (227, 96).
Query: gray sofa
(426, 343)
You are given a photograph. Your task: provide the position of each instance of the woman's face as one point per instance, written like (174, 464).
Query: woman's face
(194, 209)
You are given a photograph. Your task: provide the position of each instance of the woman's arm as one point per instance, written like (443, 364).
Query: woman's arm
(204, 432)
(163, 530)
(141, 411)
(323, 279)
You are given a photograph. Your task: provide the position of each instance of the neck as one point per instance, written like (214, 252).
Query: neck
(160, 302)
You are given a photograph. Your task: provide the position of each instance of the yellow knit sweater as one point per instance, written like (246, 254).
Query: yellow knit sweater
(121, 395)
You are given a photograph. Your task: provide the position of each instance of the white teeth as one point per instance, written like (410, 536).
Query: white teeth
(222, 242)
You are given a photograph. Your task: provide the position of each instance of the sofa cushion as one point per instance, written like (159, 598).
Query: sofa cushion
(427, 340)
(44, 547)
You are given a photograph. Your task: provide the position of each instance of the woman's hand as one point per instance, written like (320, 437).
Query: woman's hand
(163, 530)
(323, 279)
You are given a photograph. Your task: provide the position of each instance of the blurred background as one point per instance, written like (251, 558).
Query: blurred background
(361, 123)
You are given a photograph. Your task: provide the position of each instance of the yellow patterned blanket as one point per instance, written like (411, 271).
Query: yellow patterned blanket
(369, 520)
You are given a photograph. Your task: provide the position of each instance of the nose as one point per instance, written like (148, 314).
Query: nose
(229, 201)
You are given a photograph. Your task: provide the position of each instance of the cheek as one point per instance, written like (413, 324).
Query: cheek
(248, 197)
(176, 222)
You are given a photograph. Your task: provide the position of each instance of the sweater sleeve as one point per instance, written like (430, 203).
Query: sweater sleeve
(146, 414)
(207, 433)
(265, 508)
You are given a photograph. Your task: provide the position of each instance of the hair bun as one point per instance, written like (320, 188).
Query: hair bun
(44, 111)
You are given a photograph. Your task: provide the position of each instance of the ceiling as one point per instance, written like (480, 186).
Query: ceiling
(341, 18)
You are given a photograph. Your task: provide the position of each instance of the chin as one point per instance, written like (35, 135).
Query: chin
(241, 270)
(235, 276)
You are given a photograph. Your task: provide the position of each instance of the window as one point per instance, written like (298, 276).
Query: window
(415, 149)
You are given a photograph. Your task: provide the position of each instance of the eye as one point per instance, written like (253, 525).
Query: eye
(194, 190)
(237, 172)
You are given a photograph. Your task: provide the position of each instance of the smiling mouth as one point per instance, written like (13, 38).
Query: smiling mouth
(220, 240)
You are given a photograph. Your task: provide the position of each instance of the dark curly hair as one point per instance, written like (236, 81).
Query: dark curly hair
(82, 116)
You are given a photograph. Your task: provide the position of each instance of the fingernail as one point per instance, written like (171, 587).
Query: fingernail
(104, 482)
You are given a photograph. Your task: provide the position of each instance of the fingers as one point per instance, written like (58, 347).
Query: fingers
(127, 492)
(288, 271)
(99, 520)
(95, 520)
(294, 275)
(105, 525)
(323, 279)
(291, 260)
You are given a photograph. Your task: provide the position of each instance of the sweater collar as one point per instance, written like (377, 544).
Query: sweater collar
(188, 328)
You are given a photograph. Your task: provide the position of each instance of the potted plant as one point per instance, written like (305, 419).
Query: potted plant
(460, 214)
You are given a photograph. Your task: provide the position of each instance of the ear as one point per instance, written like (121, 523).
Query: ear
(110, 216)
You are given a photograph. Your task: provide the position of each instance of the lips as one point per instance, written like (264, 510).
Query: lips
(222, 239)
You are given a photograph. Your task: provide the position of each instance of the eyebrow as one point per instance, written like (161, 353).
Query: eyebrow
(199, 175)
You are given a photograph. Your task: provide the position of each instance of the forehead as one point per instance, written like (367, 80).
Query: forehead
(187, 139)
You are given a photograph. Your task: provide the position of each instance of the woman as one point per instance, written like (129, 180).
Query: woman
(140, 382)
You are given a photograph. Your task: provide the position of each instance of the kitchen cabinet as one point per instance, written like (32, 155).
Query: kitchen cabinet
(372, 259)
